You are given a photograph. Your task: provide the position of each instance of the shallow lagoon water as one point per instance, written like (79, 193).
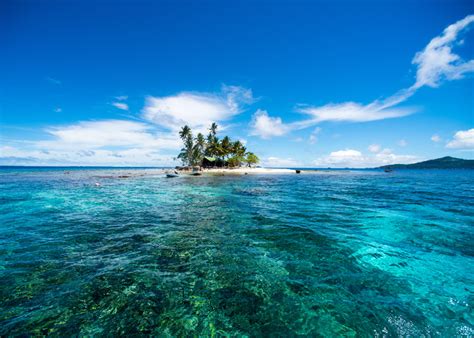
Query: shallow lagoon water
(361, 253)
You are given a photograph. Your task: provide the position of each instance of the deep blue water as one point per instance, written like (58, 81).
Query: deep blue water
(361, 253)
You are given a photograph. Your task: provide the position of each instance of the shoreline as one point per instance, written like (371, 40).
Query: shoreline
(254, 171)
(248, 171)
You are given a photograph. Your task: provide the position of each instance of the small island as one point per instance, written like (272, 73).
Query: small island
(210, 152)
(212, 155)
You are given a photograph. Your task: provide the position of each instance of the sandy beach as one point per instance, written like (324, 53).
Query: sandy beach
(244, 171)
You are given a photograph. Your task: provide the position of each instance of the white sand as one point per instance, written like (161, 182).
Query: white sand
(243, 171)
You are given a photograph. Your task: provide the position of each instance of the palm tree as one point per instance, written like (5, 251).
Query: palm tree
(225, 147)
(213, 129)
(200, 141)
(186, 155)
(198, 149)
(238, 148)
(251, 158)
(212, 148)
(238, 153)
(184, 132)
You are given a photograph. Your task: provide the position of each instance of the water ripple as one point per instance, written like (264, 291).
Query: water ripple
(344, 254)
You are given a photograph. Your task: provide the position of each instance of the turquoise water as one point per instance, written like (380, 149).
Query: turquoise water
(359, 253)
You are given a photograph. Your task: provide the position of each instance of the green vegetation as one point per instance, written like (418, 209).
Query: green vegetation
(447, 162)
(251, 159)
(210, 151)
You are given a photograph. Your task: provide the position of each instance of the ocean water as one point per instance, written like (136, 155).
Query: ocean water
(347, 253)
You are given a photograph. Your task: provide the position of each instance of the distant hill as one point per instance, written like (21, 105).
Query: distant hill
(447, 162)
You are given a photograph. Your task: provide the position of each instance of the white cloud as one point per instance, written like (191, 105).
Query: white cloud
(437, 62)
(351, 112)
(120, 105)
(237, 97)
(266, 127)
(435, 138)
(341, 158)
(355, 159)
(125, 157)
(280, 162)
(374, 148)
(197, 110)
(463, 139)
(387, 157)
(106, 142)
(402, 143)
(313, 138)
(344, 155)
(96, 134)
(121, 98)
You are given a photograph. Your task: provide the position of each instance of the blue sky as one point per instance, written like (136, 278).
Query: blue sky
(303, 83)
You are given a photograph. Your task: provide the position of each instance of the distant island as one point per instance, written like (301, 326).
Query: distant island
(446, 162)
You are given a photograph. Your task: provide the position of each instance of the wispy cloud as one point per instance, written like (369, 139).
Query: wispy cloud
(435, 63)
(198, 110)
(374, 148)
(341, 112)
(436, 138)
(402, 143)
(350, 112)
(313, 137)
(120, 105)
(463, 139)
(53, 81)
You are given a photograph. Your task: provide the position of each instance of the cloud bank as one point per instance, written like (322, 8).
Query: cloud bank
(350, 158)
(106, 142)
